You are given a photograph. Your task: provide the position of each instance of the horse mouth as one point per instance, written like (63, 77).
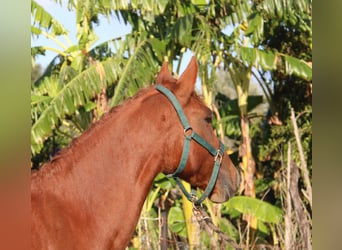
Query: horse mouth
(220, 197)
(225, 190)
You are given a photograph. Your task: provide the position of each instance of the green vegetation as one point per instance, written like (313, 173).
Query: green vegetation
(257, 78)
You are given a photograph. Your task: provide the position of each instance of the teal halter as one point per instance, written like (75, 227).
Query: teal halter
(189, 134)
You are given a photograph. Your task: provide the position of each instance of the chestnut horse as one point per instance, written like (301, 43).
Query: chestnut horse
(91, 194)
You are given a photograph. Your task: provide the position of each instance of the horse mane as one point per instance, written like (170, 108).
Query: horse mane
(94, 127)
(54, 165)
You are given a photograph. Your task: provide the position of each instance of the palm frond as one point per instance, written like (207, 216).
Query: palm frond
(129, 74)
(285, 9)
(238, 12)
(297, 12)
(140, 68)
(45, 20)
(270, 60)
(75, 93)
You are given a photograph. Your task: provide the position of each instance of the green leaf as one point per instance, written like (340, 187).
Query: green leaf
(199, 2)
(240, 12)
(231, 107)
(182, 30)
(263, 228)
(158, 47)
(279, 9)
(227, 227)
(298, 67)
(268, 60)
(89, 106)
(38, 50)
(76, 92)
(43, 19)
(35, 30)
(255, 27)
(139, 68)
(35, 99)
(163, 182)
(261, 185)
(259, 209)
(256, 57)
(176, 221)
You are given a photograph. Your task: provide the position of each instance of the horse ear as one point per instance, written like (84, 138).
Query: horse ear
(186, 82)
(165, 75)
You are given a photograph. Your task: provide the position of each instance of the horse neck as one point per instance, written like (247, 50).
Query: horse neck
(111, 167)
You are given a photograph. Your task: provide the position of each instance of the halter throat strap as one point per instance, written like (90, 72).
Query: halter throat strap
(190, 134)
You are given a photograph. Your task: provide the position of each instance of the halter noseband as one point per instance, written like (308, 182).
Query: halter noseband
(190, 134)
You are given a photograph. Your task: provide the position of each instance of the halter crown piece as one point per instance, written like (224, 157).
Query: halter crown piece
(190, 134)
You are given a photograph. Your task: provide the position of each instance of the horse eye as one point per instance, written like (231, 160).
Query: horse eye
(209, 119)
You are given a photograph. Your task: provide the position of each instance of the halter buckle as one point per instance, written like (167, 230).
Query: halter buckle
(218, 156)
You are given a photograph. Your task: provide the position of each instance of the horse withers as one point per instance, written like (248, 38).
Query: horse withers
(91, 194)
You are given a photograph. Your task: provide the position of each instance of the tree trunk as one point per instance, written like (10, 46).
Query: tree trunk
(248, 167)
(248, 163)
(241, 76)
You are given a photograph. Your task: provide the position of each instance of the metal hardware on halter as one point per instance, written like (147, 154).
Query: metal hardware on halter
(185, 132)
(217, 153)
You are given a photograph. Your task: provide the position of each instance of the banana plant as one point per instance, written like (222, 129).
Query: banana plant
(63, 98)
(84, 73)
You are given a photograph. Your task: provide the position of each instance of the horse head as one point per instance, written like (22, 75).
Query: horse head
(203, 162)
(165, 128)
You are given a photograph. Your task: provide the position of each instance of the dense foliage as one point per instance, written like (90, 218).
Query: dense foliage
(239, 44)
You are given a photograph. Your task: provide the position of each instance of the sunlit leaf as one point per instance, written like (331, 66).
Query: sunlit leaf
(139, 68)
(259, 209)
(269, 60)
(65, 103)
(38, 99)
(45, 20)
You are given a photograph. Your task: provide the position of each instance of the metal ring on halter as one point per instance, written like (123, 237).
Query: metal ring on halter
(186, 132)
(219, 155)
(195, 205)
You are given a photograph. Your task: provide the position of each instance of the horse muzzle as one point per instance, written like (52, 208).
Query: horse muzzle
(227, 184)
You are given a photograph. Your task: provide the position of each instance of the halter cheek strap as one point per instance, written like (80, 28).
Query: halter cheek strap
(190, 134)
